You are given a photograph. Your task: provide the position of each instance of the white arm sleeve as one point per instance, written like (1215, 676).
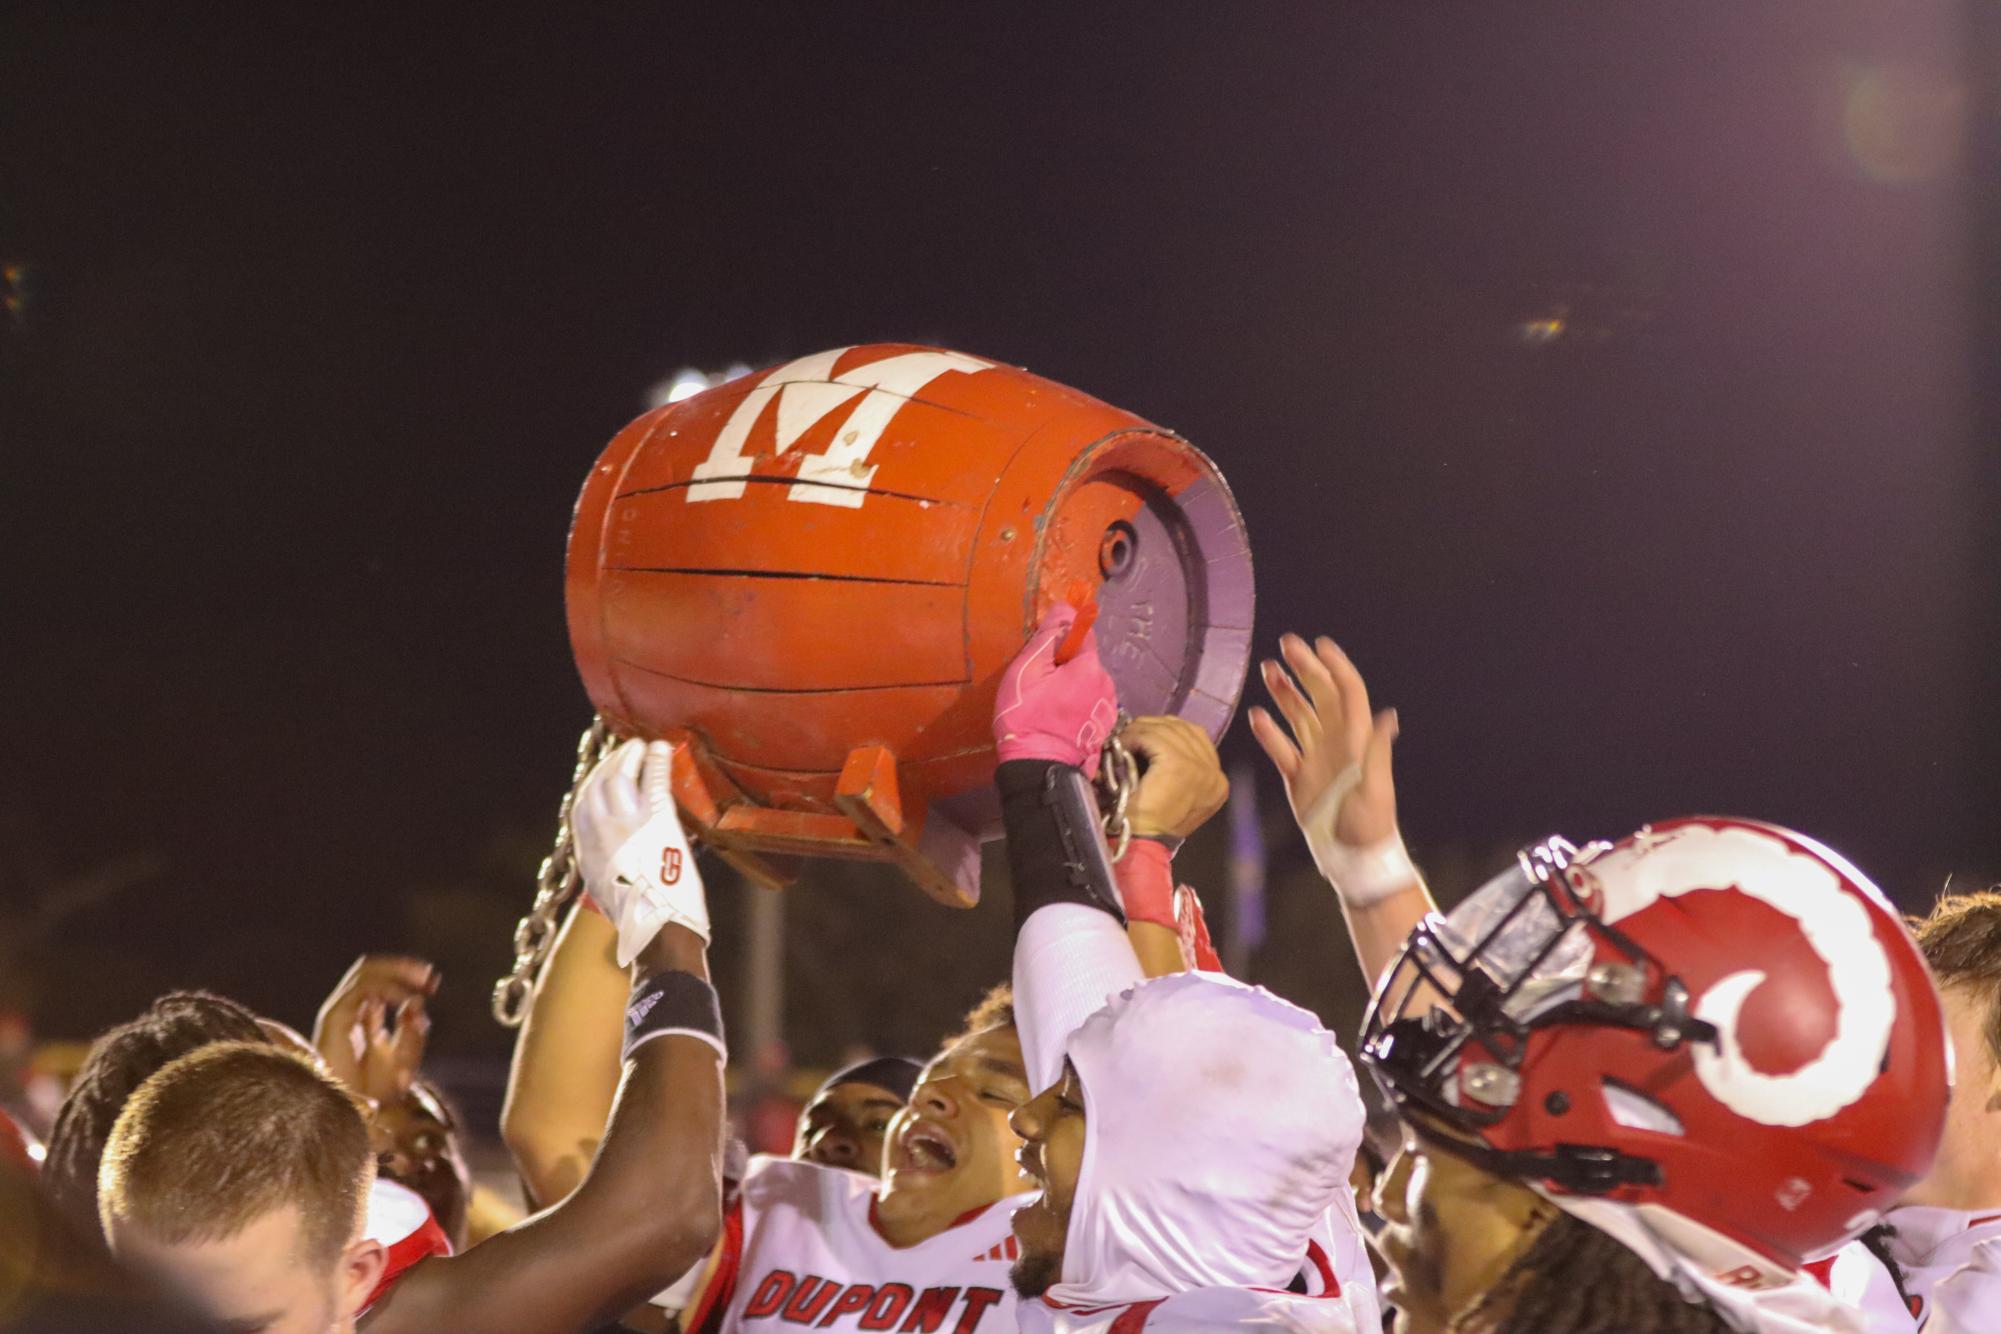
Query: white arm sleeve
(1069, 960)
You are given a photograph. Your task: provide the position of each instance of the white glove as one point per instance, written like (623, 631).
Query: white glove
(631, 850)
(1361, 876)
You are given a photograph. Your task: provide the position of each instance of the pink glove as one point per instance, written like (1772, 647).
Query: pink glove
(1046, 712)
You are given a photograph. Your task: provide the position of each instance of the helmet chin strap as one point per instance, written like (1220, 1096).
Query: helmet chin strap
(1581, 1169)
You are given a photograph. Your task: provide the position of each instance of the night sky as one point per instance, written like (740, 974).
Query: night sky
(1607, 377)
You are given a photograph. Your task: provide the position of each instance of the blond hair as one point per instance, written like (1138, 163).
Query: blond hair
(1961, 940)
(227, 1133)
(994, 1010)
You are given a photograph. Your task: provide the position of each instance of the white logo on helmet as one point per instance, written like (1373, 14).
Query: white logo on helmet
(1836, 927)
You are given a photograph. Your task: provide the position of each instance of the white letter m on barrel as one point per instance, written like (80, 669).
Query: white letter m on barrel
(807, 390)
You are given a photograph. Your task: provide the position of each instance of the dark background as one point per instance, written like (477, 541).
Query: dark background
(1617, 381)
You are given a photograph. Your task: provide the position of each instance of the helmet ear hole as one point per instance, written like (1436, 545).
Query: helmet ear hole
(1636, 1111)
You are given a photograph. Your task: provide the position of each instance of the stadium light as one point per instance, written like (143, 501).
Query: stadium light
(688, 381)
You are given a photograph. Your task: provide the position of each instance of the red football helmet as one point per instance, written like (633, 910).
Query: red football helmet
(1716, 1018)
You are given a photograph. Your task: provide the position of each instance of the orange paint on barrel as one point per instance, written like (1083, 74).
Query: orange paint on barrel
(844, 553)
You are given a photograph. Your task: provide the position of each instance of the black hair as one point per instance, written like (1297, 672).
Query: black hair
(118, 1063)
(1574, 1279)
(1877, 1242)
(895, 1075)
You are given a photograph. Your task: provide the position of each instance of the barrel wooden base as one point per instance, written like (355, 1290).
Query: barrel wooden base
(873, 824)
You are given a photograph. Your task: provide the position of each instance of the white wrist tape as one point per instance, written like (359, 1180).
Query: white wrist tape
(1361, 876)
(654, 882)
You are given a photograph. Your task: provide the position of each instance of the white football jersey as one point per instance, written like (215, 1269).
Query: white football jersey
(1859, 1279)
(1220, 1130)
(1952, 1267)
(402, 1222)
(800, 1247)
(1202, 1309)
(1317, 1304)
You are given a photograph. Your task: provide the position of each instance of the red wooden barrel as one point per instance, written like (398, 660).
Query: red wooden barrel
(823, 568)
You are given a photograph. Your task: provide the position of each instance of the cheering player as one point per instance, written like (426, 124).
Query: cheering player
(565, 1070)
(237, 1173)
(1639, 1084)
(924, 1239)
(1194, 1137)
(396, 1217)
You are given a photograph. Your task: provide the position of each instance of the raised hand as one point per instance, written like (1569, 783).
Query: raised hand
(1183, 784)
(391, 1052)
(633, 854)
(1048, 712)
(1330, 739)
(1334, 756)
(353, 1032)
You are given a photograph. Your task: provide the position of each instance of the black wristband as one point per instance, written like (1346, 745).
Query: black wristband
(1055, 839)
(673, 1002)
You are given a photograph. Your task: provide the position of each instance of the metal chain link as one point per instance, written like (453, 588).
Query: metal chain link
(555, 884)
(557, 880)
(1118, 777)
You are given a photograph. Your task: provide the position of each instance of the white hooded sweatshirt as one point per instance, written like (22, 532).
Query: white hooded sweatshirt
(1951, 1264)
(1221, 1126)
(1951, 1260)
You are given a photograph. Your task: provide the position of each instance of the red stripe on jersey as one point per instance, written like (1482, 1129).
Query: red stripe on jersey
(707, 1318)
(875, 1217)
(1135, 1317)
(1330, 1286)
(1822, 1271)
(427, 1241)
(1984, 1218)
(1055, 1305)
(396, 1209)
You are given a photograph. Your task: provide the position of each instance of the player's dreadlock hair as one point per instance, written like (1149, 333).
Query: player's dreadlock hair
(1877, 1242)
(1574, 1279)
(119, 1062)
(995, 1010)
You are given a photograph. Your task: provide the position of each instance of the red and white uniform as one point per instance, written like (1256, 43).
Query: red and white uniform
(800, 1247)
(1858, 1279)
(1324, 1308)
(402, 1222)
(1220, 1126)
(1952, 1267)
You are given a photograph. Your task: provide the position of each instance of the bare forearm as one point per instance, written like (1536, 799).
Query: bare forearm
(1378, 930)
(1158, 948)
(648, 1211)
(566, 1062)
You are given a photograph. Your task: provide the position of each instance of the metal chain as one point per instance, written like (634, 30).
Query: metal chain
(1118, 777)
(555, 884)
(557, 880)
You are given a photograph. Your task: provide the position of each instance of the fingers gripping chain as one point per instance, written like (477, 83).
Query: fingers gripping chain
(557, 881)
(1118, 778)
(555, 884)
